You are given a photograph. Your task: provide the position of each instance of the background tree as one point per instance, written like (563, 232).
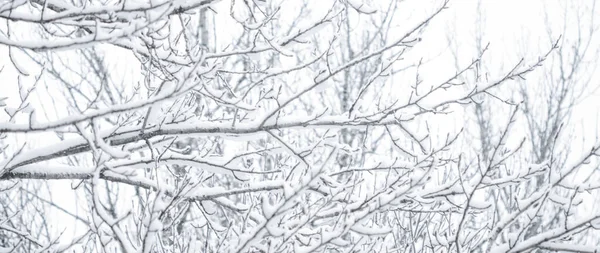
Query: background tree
(546, 99)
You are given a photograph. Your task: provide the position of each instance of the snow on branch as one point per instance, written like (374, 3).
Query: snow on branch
(277, 126)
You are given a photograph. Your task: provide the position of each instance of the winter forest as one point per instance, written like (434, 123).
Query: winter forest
(299, 126)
